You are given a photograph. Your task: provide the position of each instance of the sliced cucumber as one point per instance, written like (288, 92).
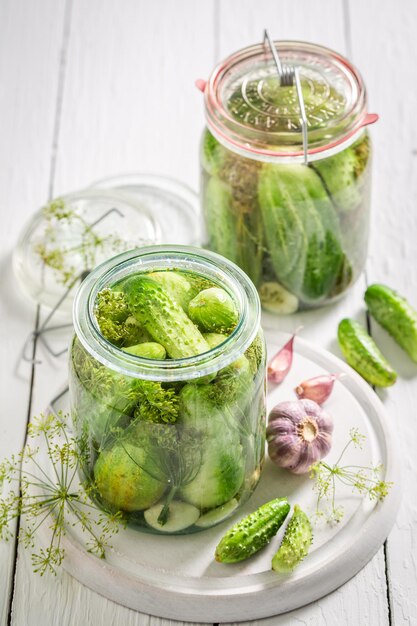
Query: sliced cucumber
(276, 299)
(215, 516)
(181, 516)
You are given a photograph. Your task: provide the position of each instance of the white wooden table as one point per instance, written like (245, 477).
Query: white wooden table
(91, 89)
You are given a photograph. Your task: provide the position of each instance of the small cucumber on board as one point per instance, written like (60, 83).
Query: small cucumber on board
(362, 353)
(252, 532)
(163, 318)
(394, 314)
(295, 544)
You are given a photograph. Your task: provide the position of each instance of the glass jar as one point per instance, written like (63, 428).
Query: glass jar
(175, 444)
(298, 229)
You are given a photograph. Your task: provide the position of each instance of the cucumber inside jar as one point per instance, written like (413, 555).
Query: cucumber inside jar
(167, 453)
(300, 232)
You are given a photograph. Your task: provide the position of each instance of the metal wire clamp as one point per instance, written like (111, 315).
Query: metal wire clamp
(44, 328)
(288, 76)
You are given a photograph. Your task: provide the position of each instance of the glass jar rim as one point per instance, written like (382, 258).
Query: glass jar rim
(231, 132)
(160, 257)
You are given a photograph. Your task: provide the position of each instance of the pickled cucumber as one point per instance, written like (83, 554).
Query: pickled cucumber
(122, 482)
(301, 229)
(163, 318)
(213, 310)
(212, 153)
(339, 176)
(220, 220)
(147, 350)
(176, 285)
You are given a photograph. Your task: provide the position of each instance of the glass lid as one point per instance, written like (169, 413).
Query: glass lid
(174, 205)
(73, 234)
(247, 105)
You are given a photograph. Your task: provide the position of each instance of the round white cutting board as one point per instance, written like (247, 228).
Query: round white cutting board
(177, 577)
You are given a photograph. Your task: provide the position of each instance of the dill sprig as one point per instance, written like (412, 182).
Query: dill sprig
(255, 353)
(66, 259)
(108, 400)
(148, 399)
(111, 305)
(174, 455)
(50, 493)
(365, 480)
(116, 323)
(156, 404)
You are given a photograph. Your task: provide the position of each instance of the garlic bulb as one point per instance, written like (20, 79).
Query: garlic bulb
(299, 434)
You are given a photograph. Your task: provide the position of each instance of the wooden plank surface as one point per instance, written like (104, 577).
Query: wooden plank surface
(301, 21)
(129, 104)
(393, 251)
(28, 93)
(104, 87)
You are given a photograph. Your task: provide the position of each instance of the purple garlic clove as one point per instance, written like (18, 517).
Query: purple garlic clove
(280, 364)
(318, 388)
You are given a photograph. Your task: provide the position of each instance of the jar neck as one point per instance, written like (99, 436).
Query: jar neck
(288, 158)
(158, 258)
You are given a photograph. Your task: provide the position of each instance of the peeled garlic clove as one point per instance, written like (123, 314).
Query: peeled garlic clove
(299, 433)
(318, 388)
